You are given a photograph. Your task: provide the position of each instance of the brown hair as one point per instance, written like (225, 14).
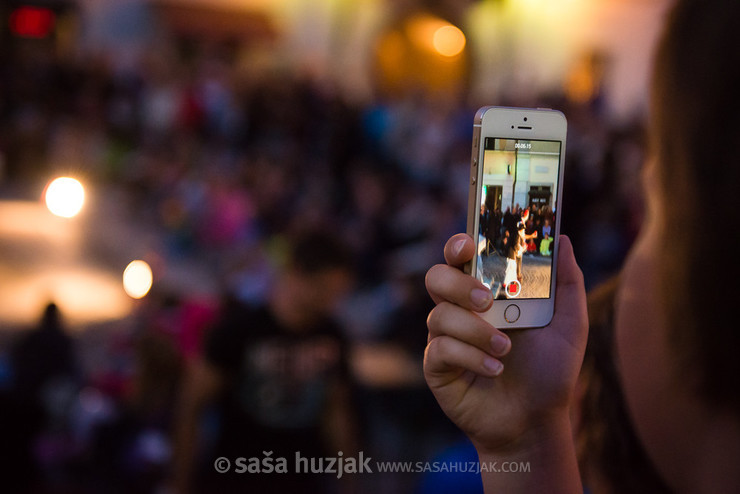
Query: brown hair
(695, 135)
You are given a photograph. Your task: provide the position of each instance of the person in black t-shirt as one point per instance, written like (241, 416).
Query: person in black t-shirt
(279, 376)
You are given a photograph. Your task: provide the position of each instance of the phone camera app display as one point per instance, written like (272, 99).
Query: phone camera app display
(519, 185)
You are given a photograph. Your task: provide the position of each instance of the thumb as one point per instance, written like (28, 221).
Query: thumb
(569, 274)
(570, 291)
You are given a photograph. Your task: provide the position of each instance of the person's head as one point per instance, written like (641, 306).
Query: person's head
(51, 320)
(317, 274)
(525, 215)
(677, 341)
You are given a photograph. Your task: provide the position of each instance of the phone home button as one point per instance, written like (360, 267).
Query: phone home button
(512, 312)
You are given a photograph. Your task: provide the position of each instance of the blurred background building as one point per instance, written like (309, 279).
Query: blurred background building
(206, 133)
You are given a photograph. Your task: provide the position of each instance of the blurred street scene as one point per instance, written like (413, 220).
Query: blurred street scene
(207, 136)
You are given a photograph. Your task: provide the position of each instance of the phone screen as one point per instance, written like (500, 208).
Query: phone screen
(518, 198)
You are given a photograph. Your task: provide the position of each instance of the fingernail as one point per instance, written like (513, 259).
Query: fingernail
(458, 247)
(493, 365)
(481, 298)
(499, 344)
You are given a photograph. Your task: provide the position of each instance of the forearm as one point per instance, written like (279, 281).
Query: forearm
(544, 462)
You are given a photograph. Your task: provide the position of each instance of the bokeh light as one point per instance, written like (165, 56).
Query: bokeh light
(32, 22)
(65, 197)
(449, 41)
(137, 279)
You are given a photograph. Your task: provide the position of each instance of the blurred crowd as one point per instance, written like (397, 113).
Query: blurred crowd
(497, 227)
(229, 166)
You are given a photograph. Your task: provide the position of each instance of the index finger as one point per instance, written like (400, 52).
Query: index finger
(459, 249)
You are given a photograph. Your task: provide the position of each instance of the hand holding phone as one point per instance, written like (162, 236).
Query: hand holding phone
(503, 410)
(520, 412)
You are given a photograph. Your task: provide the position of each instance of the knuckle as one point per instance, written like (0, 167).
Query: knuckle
(436, 316)
(436, 347)
(432, 319)
(435, 273)
(444, 345)
(431, 350)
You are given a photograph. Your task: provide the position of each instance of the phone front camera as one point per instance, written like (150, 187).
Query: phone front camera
(525, 119)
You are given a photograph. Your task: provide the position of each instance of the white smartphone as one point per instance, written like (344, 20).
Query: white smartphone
(516, 184)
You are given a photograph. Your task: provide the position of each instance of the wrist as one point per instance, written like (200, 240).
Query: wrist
(539, 435)
(543, 455)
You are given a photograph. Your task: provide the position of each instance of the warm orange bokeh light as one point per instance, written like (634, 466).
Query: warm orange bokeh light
(449, 41)
(65, 196)
(137, 279)
(422, 52)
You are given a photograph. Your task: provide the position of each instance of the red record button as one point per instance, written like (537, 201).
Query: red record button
(513, 289)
